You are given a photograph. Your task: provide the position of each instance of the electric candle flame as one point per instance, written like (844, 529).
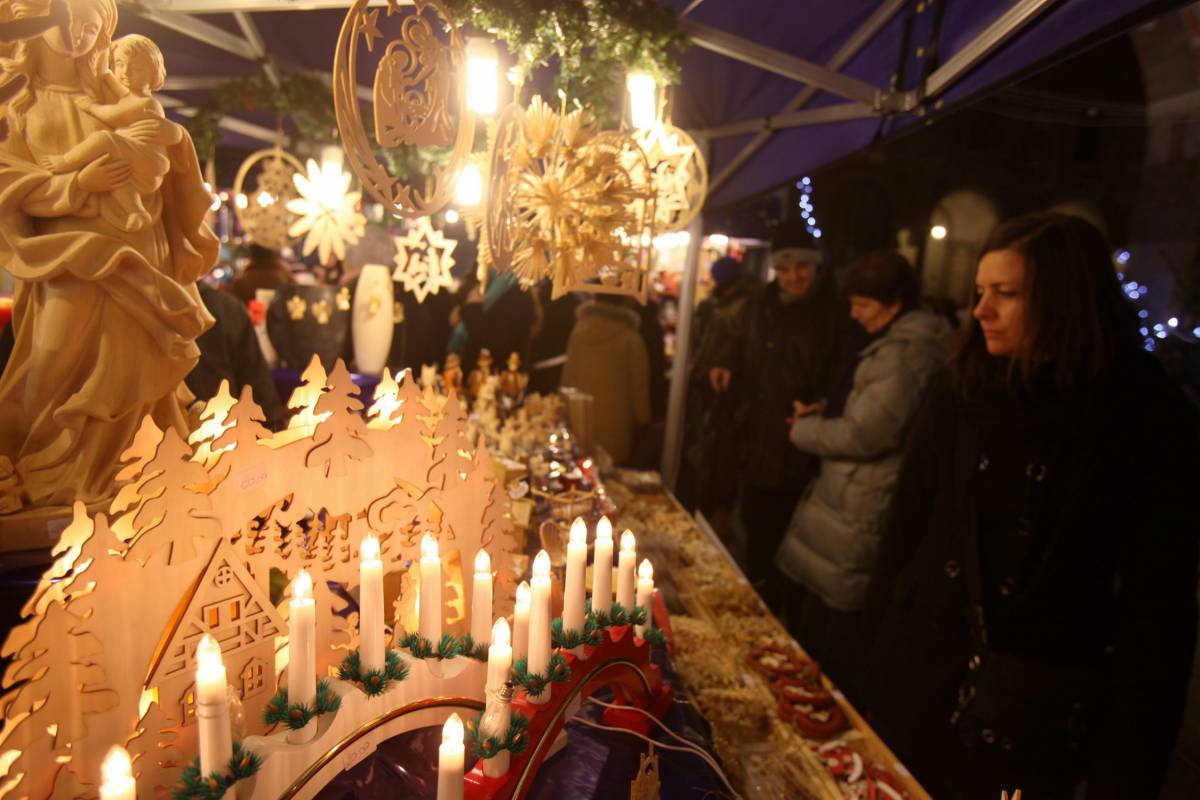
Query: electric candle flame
(604, 530)
(501, 636)
(117, 769)
(578, 531)
(628, 541)
(483, 563)
(452, 731)
(369, 551)
(523, 594)
(643, 111)
(541, 565)
(429, 547)
(208, 653)
(645, 570)
(302, 586)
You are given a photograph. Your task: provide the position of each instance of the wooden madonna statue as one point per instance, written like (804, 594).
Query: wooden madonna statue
(102, 209)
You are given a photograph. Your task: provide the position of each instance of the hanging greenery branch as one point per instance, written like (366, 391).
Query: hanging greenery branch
(302, 98)
(591, 42)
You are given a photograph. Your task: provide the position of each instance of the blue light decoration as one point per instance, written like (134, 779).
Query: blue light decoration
(807, 211)
(1152, 332)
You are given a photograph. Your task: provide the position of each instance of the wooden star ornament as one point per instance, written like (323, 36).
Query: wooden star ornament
(424, 260)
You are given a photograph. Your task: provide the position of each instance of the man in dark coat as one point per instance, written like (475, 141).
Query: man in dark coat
(229, 351)
(788, 347)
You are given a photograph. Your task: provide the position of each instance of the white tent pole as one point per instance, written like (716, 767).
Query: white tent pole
(677, 399)
(1004, 28)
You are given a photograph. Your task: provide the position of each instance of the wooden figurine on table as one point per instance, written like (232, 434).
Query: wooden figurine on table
(481, 373)
(452, 375)
(106, 311)
(513, 381)
(645, 785)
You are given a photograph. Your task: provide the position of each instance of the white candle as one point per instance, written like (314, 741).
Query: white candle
(212, 708)
(117, 774)
(625, 563)
(645, 592)
(481, 599)
(302, 643)
(370, 605)
(602, 567)
(574, 591)
(539, 621)
(521, 622)
(431, 590)
(497, 712)
(451, 755)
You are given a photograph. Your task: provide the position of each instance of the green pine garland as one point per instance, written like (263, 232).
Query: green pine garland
(449, 646)
(194, 786)
(593, 43)
(569, 640)
(375, 681)
(296, 715)
(655, 637)
(535, 683)
(515, 739)
(618, 616)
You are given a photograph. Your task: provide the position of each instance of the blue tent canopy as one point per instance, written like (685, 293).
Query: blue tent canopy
(775, 87)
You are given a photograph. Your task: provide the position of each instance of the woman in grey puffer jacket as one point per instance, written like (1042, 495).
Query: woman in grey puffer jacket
(830, 546)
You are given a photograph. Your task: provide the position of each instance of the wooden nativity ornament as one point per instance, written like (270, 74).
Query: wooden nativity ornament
(109, 649)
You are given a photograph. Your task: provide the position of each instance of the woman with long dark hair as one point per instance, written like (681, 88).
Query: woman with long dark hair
(1033, 613)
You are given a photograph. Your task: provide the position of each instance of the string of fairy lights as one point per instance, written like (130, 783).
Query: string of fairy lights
(1152, 332)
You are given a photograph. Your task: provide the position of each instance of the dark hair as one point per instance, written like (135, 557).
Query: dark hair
(1076, 317)
(262, 255)
(885, 276)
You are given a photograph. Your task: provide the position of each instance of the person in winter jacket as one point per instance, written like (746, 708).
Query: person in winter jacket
(265, 271)
(787, 345)
(829, 549)
(1032, 617)
(606, 358)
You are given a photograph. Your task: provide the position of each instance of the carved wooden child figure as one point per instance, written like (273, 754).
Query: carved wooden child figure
(138, 65)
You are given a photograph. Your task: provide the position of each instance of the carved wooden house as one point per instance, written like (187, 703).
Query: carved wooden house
(227, 603)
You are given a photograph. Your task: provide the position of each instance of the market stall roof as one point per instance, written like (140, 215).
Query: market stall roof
(775, 88)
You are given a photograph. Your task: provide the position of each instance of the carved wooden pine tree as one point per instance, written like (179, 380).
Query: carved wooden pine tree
(383, 412)
(37, 767)
(244, 429)
(58, 678)
(135, 458)
(304, 398)
(342, 434)
(173, 513)
(451, 448)
(212, 423)
(156, 762)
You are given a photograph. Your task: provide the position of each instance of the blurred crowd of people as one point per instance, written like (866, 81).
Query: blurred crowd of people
(983, 535)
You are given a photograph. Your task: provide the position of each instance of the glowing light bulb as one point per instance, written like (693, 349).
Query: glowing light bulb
(468, 189)
(369, 549)
(208, 653)
(578, 533)
(718, 240)
(302, 586)
(117, 769)
(429, 547)
(501, 635)
(541, 565)
(451, 216)
(628, 541)
(264, 199)
(523, 594)
(938, 232)
(483, 79)
(483, 563)
(604, 530)
(452, 731)
(643, 109)
(241, 200)
(645, 569)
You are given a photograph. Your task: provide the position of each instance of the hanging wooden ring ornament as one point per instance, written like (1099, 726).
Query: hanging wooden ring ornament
(416, 81)
(500, 209)
(680, 175)
(267, 223)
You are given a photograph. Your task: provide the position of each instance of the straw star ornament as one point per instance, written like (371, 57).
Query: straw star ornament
(329, 218)
(424, 260)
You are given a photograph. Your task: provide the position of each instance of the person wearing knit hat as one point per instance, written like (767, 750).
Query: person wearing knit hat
(725, 270)
(787, 345)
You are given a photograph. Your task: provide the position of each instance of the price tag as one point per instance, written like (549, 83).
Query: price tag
(250, 477)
